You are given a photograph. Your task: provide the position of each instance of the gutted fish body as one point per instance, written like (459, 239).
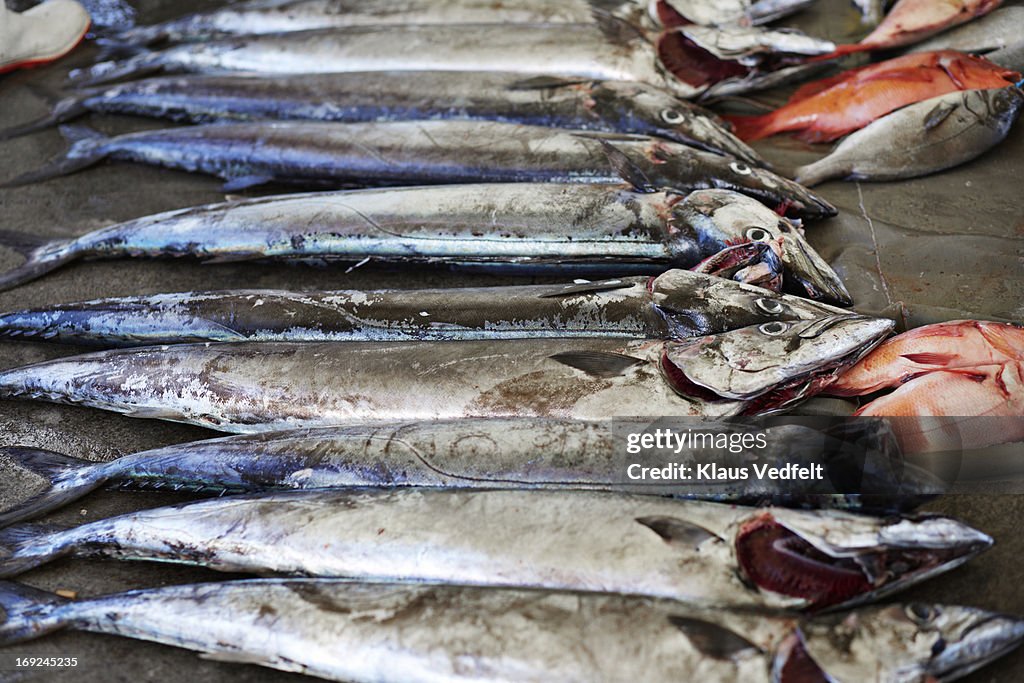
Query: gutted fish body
(430, 153)
(676, 304)
(254, 387)
(695, 552)
(335, 630)
(529, 226)
(923, 138)
(609, 106)
(833, 107)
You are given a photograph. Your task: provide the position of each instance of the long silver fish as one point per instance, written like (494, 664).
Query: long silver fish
(428, 153)
(692, 551)
(494, 453)
(526, 226)
(1002, 28)
(930, 136)
(256, 387)
(678, 303)
(610, 106)
(261, 17)
(335, 629)
(609, 50)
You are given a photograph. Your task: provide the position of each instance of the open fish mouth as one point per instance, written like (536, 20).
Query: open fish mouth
(772, 365)
(776, 558)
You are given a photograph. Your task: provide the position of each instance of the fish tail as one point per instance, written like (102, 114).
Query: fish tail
(117, 69)
(87, 149)
(27, 546)
(813, 174)
(65, 110)
(41, 257)
(29, 613)
(67, 479)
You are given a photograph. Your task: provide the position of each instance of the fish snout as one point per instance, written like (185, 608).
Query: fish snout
(809, 274)
(982, 637)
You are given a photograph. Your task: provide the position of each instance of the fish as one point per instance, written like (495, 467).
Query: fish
(692, 551)
(828, 109)
(1011, 56)
(334, 630)
(922, 138)
(912, 21)
(1002, 28)
(675, 13)
(520, 453)
(752, 263)
(250, 387)
(260, 18)
(589, 228)
(580, 104)
(426, 153)
(957, 385)
(675, 304)
(609, 50)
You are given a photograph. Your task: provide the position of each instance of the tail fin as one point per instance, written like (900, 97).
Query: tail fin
(65, 110)
(115, 70)
(41, 258)
(67, 479)
(28, 613)
(87, 149)
(814, 173)
(28, 546)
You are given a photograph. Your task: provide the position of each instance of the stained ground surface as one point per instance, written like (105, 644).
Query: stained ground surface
(938, 248)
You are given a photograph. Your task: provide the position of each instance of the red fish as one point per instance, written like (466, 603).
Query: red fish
(830, 108)
(911, 21)
(945, 376)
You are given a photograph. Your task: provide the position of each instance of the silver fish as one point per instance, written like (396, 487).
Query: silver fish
(611, 50)
(1010, 57)
(427, 153)
(673, 13)
(675, 304)
(254, 387)
(609, 106)
(1002, 28)
(691, 551)
(256, 18)
(526, 226)
(923, 138)
(334, 629)
(492, 453)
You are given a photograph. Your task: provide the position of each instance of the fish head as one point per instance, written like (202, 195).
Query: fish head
(695, 304)
(716, 219)
(772, 366)
(912, 642)
(1004, 106)
(755, 263)
(832, 560)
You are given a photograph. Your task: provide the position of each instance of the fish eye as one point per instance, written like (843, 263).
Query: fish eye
(672, 116)
(773, 329)
(921, 614)
(740, 168)
(769, 306)
(757, 234)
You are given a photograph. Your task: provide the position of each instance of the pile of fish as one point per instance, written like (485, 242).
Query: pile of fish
(431, 483)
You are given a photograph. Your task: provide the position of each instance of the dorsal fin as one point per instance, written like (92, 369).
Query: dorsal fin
(626, 168)
(601, 364)
(678, 531)
(711, 639)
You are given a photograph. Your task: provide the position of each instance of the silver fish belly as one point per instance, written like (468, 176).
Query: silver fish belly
(696, 552)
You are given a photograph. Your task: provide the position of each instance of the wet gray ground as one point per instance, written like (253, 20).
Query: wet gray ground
(944, 247)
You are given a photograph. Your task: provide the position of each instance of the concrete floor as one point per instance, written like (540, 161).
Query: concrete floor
(938, 248)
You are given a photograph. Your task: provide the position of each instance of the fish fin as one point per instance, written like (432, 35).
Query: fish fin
(28, 613)
(41, 257)
(678, 531)
(546, 82)
(927, 358)
(27, 546)
(626, 168)
(601, 364)
(711, 639)
(245, 182)
(115, 70)
(998, 336)
(814, 173)
(586, 288)
(86, 150)
(939, 114)
(618, 31)
(67, 479)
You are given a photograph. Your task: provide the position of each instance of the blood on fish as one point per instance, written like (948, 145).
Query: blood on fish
(692, 64)
(682, 384)
(669, 16)
(798, 666)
